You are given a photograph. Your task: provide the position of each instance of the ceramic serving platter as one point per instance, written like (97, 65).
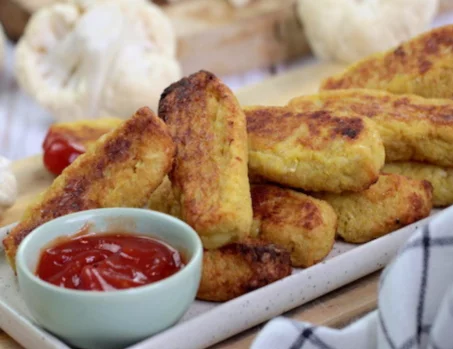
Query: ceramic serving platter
(207, 323)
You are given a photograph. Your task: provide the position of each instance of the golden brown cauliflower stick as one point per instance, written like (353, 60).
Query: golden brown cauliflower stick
(121, 169)
(209, 176)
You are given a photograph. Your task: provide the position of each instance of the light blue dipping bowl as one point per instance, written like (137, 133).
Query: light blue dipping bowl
(114, 319)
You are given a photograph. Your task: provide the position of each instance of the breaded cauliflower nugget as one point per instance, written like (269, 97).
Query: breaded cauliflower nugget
(163, 200)
(209, 176)
(411, 127)
(441, 178)
(314, 151)
(421, 66)
(393, 202)
(121, 169)
(241, 267)
(305, 226)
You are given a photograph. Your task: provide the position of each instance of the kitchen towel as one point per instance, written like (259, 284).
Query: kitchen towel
(415, 303)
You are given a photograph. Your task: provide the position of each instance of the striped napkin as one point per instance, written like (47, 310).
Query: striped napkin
(415, 306)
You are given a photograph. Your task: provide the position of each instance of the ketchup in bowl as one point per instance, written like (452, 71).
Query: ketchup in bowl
(105, 262)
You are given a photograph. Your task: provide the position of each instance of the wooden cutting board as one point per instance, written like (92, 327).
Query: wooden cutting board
(336, 309)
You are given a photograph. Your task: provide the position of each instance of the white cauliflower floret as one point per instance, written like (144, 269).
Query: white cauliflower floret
(347, 30)
(8, 185)
(86, 59)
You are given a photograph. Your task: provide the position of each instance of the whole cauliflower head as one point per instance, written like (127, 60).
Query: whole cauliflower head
(347, 30)
(94, 58)
(8, 185)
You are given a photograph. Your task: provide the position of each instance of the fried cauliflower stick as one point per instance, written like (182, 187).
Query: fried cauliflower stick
(163, 200)
(411, 127)
(314, 151)
(393, 202)
(441, 178)
(209, 176)
(121, 169)
(241, 267)
(305, 226)
(421, 66)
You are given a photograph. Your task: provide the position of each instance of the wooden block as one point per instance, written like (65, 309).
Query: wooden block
(13, 18)
(215, 36)
(445, 6)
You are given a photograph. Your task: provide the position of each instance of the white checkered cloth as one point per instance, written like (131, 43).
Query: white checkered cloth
(415, 306)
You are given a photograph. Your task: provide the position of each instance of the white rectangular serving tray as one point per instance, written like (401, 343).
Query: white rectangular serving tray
(207, 323)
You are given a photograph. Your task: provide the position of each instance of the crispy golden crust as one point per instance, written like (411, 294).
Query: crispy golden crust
(163, 200)
(121, 170)
(440, 178)
(241, 267)
(411, 127)
(315, 151)
(421, 66)
(209, 176)
(303, 225)
(85, 132)
(393, 202)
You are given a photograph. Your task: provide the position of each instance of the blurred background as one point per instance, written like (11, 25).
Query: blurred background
(69, 60)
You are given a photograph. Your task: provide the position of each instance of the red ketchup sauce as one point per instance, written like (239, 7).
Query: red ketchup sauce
(60, 152)
(105, 262)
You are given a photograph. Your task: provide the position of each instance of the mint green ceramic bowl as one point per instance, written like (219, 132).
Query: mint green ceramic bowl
(114, 319)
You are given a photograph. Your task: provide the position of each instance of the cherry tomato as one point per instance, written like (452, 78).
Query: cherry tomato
(60, 152)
